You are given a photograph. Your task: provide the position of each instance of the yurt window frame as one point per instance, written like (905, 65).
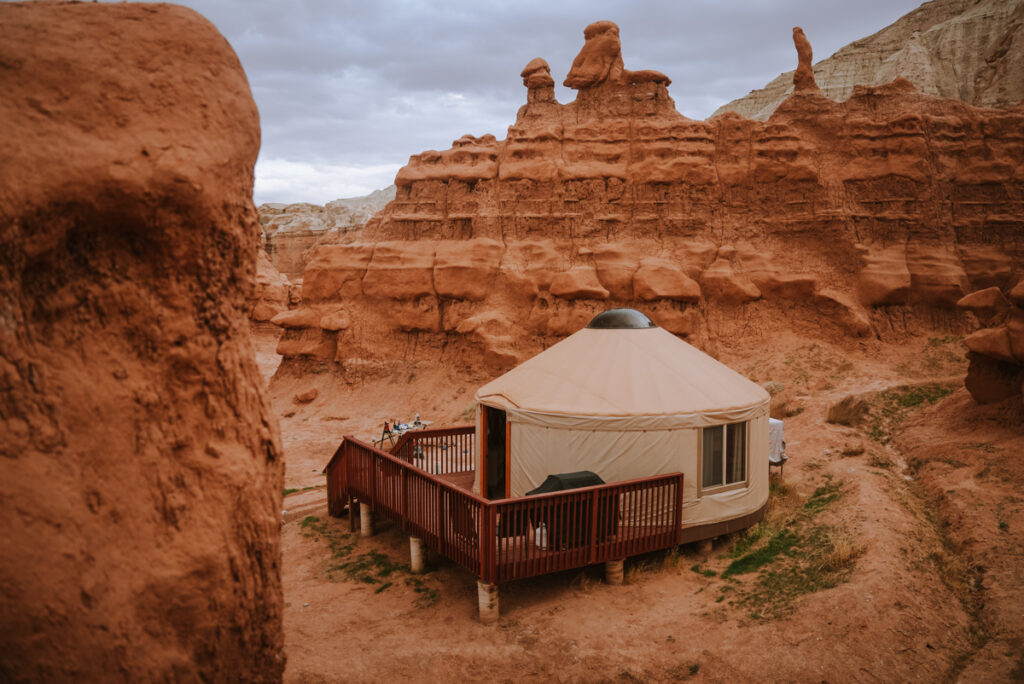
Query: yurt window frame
(718, 489)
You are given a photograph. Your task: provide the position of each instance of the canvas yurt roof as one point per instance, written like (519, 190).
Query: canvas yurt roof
(622, 365)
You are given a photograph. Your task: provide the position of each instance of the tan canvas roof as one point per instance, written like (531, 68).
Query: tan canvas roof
(622, 372)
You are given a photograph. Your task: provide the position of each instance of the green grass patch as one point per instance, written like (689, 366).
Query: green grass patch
(289, 491)
(706, 572)
(822, 497)
(789, 554)
(782, 542)
(889, 407)
(371, 567)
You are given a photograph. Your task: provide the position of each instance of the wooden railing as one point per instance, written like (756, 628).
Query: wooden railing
(438, 451)
(509, 539)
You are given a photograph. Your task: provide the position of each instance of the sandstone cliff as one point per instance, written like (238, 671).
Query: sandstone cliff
(140, 469)
(869, 218)
(292, 230)
(970, 50)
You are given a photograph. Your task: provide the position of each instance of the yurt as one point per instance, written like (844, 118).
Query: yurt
(625, 399)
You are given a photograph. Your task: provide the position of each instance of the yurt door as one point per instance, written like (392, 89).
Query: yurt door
(495, 423)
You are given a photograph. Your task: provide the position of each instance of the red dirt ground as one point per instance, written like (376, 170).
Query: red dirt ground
(935, 593)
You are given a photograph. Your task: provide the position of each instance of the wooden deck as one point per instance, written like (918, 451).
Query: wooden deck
(425, 486)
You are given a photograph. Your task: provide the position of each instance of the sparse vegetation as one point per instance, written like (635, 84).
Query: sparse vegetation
(783, 407)
(879, 461)
(292, 490)
(849, 411)
(890, 407)
(372, 567)
(882, 411)
(937, 356)
(706, 572)
(469, 413)
(790, 553)
(852, 450)
(773, 387)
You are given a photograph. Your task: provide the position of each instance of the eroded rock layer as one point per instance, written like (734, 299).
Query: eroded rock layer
(871, 217)
(140, 477)
(970, 50)
(293, 230)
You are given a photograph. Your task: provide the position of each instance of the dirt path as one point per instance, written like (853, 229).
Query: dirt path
(867, 593)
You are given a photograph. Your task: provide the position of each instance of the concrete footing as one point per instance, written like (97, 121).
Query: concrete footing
(488, 595)
(416, 555)
(365, 520)
(613, 573)
(704, 547)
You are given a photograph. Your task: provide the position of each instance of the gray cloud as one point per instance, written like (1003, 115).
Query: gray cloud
(360, 85)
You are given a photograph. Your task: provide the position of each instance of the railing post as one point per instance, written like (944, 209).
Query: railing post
(678, 517)
(373, 481)
(440, 517)
(488, 538)
(405, 499)
(593, 526)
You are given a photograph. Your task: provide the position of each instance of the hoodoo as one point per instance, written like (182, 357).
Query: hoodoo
(869, 218)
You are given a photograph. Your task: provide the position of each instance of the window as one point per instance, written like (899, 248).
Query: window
(723, 455)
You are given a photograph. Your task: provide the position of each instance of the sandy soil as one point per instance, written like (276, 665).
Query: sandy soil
(932, 589)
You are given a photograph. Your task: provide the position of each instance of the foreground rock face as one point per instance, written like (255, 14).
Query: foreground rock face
(292, 230)
(871, 217)
(969, 50)
(140, 478)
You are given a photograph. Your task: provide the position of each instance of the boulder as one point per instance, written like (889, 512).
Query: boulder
(988, 304)
(991, 381)
(721, 282)
(580, 282)
(661, 278)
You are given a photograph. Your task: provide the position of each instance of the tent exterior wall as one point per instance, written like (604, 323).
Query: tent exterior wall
(538, 451)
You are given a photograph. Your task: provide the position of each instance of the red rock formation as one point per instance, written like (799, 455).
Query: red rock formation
(871, 217)
(292, 231)
(996, 370)
(803, 77)
(140, 478)
(272, 290)
(970, 50)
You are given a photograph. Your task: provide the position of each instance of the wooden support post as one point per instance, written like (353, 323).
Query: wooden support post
(613, 573)
(488, 595)
(351, 515)
(365, 520)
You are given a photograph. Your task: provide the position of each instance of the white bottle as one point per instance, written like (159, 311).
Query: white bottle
(541, 536)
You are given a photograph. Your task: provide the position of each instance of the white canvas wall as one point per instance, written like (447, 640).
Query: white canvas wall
(538, 451)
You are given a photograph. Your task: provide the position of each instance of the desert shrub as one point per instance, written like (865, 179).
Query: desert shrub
(782, 406)
(878, 461)
(847, 411)
(773, 387)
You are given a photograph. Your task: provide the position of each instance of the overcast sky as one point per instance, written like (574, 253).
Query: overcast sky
(348, 90)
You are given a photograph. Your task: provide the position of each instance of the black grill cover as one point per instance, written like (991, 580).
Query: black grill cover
(563, 481)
